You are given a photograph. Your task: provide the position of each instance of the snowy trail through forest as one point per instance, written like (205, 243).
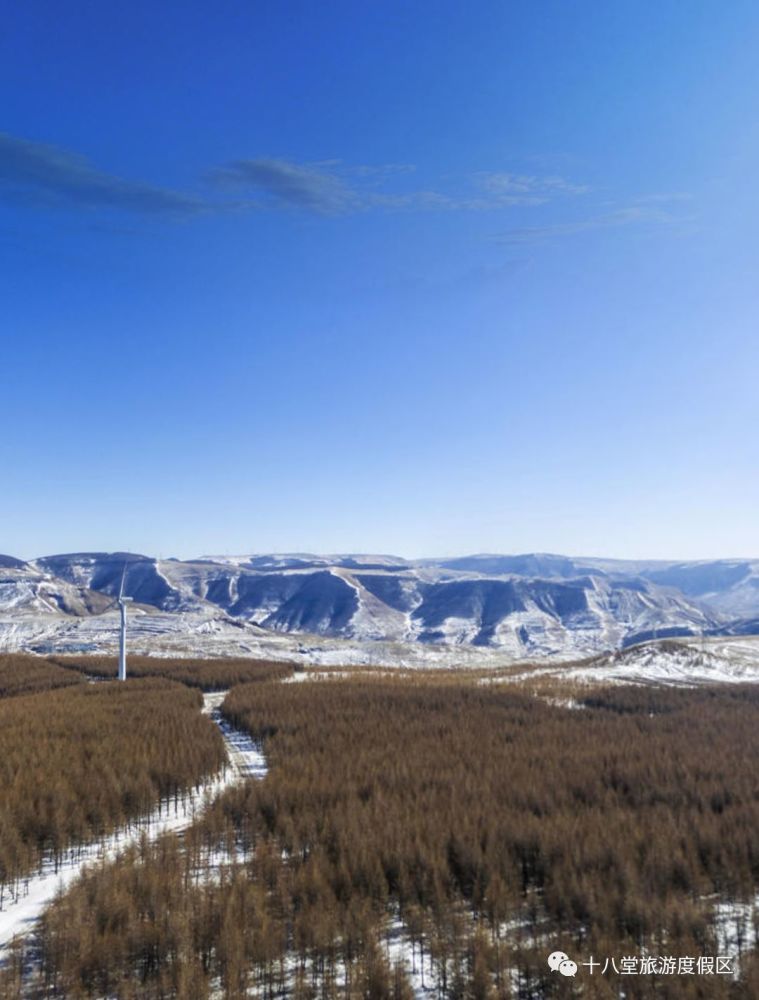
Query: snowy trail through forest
(19, 913)
(244, 754)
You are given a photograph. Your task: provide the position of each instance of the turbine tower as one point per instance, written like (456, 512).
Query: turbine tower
(122, 603)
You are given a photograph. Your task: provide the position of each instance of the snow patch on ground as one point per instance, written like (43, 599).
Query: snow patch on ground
(245, 755)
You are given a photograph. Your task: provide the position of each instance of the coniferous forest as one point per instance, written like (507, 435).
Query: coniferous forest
(23, 674)
(208, 675)
(79, 761)
(471, 829)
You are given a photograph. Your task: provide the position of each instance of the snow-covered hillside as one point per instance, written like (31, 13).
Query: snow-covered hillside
(678, 661)
(369, 608)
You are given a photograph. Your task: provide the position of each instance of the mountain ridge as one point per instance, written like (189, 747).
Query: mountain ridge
(525, 605)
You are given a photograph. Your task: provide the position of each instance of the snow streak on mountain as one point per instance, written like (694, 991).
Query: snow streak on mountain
(531, 605)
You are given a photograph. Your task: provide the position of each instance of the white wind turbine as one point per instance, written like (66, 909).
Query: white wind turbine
(122, 602)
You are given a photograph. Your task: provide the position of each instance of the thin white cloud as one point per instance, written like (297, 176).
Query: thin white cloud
(664, 198)
(527, 188)
(32, 173)
(37, 174)
(284, 183)
(632, 215)
(330, 187)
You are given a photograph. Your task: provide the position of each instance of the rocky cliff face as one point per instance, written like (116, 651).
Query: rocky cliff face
(529, 605)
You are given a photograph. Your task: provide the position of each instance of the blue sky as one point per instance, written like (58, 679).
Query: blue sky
(425, 278)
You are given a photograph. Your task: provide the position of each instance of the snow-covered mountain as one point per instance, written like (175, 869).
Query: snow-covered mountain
(727, 586)
(27, 588)
(532, 605)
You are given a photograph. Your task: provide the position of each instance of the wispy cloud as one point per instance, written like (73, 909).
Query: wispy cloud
(34, 173)
(638, 214)
(328, 187)
(333, 188)
(37, 174)
(527, 189)
(281, 183)
(664, 198)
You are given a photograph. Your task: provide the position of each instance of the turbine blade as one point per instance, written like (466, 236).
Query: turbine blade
(123, 575)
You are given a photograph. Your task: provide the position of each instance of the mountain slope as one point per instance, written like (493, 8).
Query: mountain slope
(517, 606)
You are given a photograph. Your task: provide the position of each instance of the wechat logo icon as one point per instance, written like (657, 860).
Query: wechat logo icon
(559, 961)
